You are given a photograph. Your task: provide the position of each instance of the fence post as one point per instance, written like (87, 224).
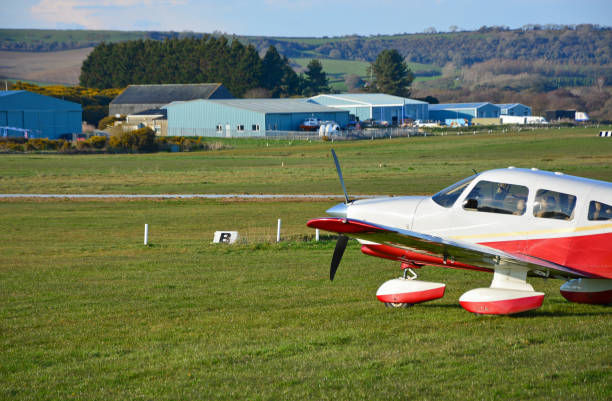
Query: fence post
(146, 234)
(278, 231)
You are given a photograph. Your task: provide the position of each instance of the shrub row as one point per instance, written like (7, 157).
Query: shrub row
(141, 140)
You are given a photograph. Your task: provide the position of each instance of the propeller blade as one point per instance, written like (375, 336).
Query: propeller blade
(340, 175)
(338, 252)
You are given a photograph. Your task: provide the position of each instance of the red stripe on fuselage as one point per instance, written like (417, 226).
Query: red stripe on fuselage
(591, 254)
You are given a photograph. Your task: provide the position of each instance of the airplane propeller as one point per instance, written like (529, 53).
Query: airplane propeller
(342, 239)
(346, 198)
(338, 252)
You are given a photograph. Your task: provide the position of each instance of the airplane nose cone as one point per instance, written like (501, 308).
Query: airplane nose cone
(338, 211)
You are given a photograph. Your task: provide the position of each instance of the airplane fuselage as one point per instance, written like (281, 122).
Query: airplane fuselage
(555, 217)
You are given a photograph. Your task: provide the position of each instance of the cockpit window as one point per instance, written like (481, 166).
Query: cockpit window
(497, 197)
(600, 211)
(449, 195)
(554, 205)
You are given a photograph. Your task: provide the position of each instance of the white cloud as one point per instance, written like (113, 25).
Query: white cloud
(91, 14)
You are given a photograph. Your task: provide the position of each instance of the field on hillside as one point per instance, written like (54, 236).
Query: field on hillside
(338, 70)
(62, 67)
(88, 312)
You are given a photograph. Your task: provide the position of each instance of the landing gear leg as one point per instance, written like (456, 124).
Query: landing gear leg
(413, 275)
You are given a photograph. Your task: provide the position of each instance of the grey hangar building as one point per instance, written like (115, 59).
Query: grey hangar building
(375, 106)
(443, 111)
(138, 98)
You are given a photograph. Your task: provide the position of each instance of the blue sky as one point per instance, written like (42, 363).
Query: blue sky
(299, 17)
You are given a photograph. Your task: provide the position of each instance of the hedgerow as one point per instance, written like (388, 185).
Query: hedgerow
(139, 141)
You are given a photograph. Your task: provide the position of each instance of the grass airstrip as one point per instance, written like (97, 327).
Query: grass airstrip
(88, 312)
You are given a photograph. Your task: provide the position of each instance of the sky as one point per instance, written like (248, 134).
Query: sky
(302, 18)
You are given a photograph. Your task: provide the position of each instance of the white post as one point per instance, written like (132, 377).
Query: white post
(146, 237)
(278, 229)
(317, 235)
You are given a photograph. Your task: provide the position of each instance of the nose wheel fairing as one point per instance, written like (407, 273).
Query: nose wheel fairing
(409, 291)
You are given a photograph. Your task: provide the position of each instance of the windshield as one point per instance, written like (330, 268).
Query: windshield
(448, 196)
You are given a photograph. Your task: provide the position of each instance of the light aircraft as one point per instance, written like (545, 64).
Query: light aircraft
(512, 222)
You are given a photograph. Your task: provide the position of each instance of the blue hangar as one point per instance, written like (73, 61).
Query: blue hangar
(24, 113)
(440, 112)
(514, 109)
(245, 117)
(375, 106)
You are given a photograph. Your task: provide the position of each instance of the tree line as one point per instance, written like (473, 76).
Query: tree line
(581, 44)
(585, 45)
(194, 60)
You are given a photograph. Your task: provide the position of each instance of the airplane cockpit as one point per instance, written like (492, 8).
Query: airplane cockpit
(489, 196)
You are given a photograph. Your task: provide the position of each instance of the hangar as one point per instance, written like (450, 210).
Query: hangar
(137, 98)
(441, 112)
(37, 116)
(375, 106)
(245, 117)
(514, 109)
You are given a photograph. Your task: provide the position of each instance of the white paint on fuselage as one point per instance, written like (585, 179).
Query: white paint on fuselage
(392, 212)
(422, 214)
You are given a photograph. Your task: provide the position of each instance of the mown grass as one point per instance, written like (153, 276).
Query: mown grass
(399, 166)
(88, 312)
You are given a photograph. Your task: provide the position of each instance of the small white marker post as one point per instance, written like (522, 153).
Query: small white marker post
(146, 237)
(278, 229)
(317, 235)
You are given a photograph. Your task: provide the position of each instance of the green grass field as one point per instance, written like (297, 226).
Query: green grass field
(419, 165)
(67, 35)
(88, 312)
(337, 70)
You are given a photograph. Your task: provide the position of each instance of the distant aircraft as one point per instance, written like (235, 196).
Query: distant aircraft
(512, 222)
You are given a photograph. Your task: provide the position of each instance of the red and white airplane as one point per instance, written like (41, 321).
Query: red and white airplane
(512, 222)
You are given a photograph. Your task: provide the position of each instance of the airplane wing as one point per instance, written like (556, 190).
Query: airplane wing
(448, 250)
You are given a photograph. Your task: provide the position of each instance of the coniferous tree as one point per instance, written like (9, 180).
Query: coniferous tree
(316, 80)
(247, 71)
(190, 60)
(291, 84)
(391, 75)
(96, 70)
(273, 71)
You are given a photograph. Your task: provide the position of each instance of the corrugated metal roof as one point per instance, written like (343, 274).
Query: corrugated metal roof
(26, 100)
(152, 112)
(445, 106)
(509, 105)
(8, 93)
(371, 99)
(270, 106)
(160, 94)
